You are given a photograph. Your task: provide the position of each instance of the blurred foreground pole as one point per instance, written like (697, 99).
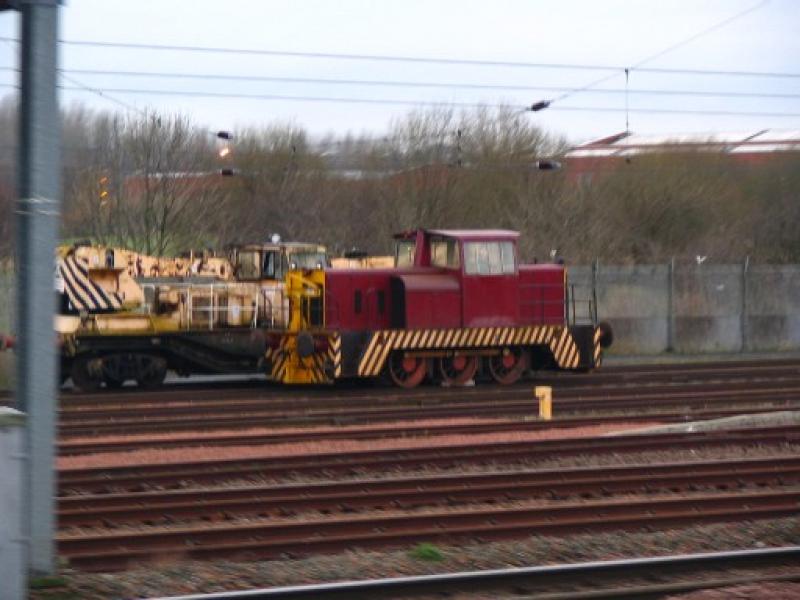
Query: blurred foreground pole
(37, 227)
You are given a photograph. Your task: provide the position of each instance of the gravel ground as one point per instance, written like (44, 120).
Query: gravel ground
(193, 436)
(594, 460)
(754, 591)
(207, 577)
(442, 507)
(179, 455)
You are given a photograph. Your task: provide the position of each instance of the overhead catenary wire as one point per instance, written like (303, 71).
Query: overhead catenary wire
(412, 84)
(423, 103)
(640, 64)
(415, 59)
(402, 102)
(103, 94)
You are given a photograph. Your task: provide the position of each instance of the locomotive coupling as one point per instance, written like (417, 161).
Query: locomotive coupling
(305, 344)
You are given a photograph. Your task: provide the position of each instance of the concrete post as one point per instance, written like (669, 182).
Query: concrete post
(743, 317)
(671, 306)
(37, 229)
(13, 549)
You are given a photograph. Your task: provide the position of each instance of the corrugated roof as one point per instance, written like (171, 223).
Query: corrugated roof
(766, 140)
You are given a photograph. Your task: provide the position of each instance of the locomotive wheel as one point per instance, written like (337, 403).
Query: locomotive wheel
(87, 373)
(457, 370)
(507, 367)
(406, 371)
(150, 370)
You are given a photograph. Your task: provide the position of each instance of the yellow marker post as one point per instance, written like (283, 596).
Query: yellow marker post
(544, 393)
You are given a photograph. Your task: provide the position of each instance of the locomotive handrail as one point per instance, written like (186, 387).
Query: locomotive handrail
(214, 309)
(589, 302)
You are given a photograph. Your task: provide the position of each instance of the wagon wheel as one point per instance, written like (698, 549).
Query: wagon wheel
(113, 373)
(457, 370)
(150, 370)
(87, 373)
(507, 367)
(406, 371)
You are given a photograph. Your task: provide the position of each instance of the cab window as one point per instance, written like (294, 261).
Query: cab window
(405, 251)
(272, 265)
(308, 260)
(444, 253)
(489, 258)
(249, 264)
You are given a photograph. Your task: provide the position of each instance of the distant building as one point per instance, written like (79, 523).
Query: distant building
(609, 153)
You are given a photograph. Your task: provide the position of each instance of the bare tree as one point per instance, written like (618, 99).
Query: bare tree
(149, 184)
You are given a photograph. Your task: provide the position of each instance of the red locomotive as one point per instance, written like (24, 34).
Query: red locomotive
(456, 301)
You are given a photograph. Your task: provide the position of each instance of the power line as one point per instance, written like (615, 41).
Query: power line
(412, 59)
(413, 84)
(393, 101)
(103, 94)
(660, 53)
(398, 102)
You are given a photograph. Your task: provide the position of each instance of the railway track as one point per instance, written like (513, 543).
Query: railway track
(428, 491)
(201, 414)
(68, 447)
(640, 578)
(267, 539)
(621, 375)
(150, 476)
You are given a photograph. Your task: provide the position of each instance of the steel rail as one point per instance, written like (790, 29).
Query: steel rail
(534, 579)
(412, 492)
(648, 372)
(271, 539)
(245, 413)
(434, 396)
(104, 479)
(614, 374)
(353, 392)
(82, 447)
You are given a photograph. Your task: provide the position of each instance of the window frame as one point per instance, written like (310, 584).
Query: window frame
(456, 254)
(493, 256)
(410, 256)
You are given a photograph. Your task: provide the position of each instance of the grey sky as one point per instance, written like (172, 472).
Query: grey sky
(612, 32)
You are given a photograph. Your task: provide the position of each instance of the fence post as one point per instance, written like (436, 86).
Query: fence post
(743, 317)
(13, 545)
(595, 268)
(671, 305)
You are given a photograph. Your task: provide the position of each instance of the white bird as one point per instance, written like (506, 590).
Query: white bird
(700, 259)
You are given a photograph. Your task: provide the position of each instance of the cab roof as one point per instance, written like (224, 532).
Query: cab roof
(466, 234)
(279, 245)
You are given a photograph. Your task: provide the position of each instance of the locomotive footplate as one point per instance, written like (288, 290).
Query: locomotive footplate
(324, 356)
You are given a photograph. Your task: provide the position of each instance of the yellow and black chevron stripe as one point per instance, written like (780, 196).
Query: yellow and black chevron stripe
(335, 353)
(598, 349)
(276, 357)
(381, 343)
(294, 369)
(288, 367)
(83, 293)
